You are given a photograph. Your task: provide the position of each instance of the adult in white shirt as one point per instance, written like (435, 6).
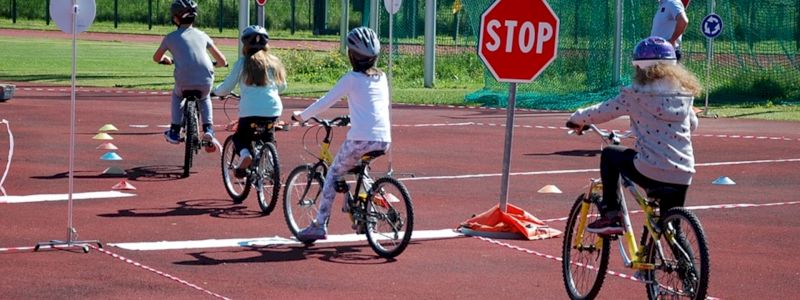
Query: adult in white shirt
(670, 22)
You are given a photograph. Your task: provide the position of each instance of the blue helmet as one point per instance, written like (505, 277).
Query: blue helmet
(255, 30)
(653, 50)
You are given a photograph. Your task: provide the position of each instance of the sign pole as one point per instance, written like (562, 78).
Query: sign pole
(510, 110)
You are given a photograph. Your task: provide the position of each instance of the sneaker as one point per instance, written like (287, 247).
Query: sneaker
(246, 160)
(172, 136)
(312, 233)
(605, 226)
(210, 141)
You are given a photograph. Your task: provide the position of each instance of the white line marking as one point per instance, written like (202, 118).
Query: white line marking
(63, 197)
(276, 240)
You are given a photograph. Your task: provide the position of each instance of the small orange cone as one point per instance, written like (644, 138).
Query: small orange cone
(107, 146)
(549, 189)
(123, 185)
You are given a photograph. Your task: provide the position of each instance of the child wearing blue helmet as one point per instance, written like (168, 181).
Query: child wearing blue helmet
(260, 76)
(659, 104)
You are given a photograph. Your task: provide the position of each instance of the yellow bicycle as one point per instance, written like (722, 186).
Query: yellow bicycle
(671, 256)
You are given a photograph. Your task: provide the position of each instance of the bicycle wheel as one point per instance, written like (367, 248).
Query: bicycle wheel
(237, 188)
(390, 217)
(268, 178)
(300, 196)
(192, 141)
(584, 254)
(681, 258)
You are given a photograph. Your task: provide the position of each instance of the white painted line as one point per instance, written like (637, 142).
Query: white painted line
(63, 197)
(276, 240)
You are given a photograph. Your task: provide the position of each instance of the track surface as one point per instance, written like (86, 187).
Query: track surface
(455, 155)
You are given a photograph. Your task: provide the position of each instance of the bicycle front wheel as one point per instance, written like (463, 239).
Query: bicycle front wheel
(191, 140)
(390, 217)
(301, 195)
(680, 257)
(268, 178)
(584, 254)
(237, 188)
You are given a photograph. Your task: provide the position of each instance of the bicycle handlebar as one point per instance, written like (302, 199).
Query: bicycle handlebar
(342, 120)
(612, 137)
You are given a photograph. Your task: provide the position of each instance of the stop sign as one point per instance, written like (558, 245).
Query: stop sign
(261, 2)
(518, 39)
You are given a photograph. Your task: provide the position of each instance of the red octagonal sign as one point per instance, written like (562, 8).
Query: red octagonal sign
(518, 39)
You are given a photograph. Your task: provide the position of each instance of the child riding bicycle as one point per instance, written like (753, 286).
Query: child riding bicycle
(260, 76)
(194, 70)
(367, 91)
(659, 104)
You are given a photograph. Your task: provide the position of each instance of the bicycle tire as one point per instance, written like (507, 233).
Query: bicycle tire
(390, 221)
(576, 258)
(192, 141)
(677, 275)
(237, 188)
(267, 178)
(301, 195)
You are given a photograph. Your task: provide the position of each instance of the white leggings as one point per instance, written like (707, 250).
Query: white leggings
(346, 159)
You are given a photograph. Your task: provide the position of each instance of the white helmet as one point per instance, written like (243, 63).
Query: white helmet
(364, 41)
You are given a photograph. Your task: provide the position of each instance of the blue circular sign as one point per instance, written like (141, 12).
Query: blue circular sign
(711, 26)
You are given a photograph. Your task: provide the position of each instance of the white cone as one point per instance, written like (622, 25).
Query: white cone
(549, 189)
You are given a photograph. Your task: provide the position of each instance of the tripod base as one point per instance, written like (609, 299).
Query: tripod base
(69, 243)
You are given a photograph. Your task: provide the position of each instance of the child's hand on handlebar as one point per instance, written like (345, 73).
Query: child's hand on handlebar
(165, 60)
(579, 129)
(296, 116)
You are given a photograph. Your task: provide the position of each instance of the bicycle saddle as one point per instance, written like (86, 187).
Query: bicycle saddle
(661, 192)
(192, 93)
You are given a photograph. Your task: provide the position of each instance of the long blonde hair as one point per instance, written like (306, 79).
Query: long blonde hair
(676, 72)
(257, 64)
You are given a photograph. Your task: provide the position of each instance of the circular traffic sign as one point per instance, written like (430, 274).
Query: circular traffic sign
(61, 12)
(518, 39)
(261, 2)
(711, 26)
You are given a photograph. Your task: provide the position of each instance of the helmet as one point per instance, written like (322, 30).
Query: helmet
(184, 8)
(364, 41)
(253, 30)
(653, 50)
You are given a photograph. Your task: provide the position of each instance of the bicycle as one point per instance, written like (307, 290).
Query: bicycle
(671, 257)
(264, 173)
(190, 127)
(381, 209)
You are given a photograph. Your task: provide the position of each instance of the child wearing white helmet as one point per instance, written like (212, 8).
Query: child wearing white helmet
(194, 70)
(261, 77)
(659, 104)
(367, 92)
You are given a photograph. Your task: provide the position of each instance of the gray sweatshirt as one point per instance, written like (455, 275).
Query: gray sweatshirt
(662, 119)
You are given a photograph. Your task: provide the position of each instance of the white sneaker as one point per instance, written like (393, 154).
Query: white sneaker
(211, 142)
(244, 163)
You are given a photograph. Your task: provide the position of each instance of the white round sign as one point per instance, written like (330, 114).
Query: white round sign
(392, 6)
(61, 11)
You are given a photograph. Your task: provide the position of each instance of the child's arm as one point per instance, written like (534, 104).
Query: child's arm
(604, 111)
(231, 80)
(159, 56)
(218, 56)
(337, 92)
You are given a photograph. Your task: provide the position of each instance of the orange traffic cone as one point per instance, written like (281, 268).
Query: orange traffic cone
(123, 185)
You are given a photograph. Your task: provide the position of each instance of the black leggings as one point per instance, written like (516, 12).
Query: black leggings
(245, 132)
(617, 159)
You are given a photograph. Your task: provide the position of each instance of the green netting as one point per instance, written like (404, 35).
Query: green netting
(754, 59)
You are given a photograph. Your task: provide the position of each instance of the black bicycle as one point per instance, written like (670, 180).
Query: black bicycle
(264, 173)
(381, 209)
(190, 129)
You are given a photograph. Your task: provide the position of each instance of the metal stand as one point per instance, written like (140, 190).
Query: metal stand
(72, 234)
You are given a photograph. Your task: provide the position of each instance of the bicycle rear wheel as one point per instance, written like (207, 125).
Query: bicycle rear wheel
(301, 193)
(390, 217)
(192, 140)
(584, 254)
(237, 188)
(681, 258)
(268, 178)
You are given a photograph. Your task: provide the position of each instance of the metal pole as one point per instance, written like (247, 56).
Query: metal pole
(617, 45)
(343, 29)
(14, 11)
(221, 15)
(116, 13)
(260, 14)
(47, 13)
(294, 13)
(512, 99)
(430, 43)
(709, 58)
(244, 19)
(70, 228)
(149, 14)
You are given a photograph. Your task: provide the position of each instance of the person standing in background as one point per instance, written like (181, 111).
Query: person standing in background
(670, 22)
